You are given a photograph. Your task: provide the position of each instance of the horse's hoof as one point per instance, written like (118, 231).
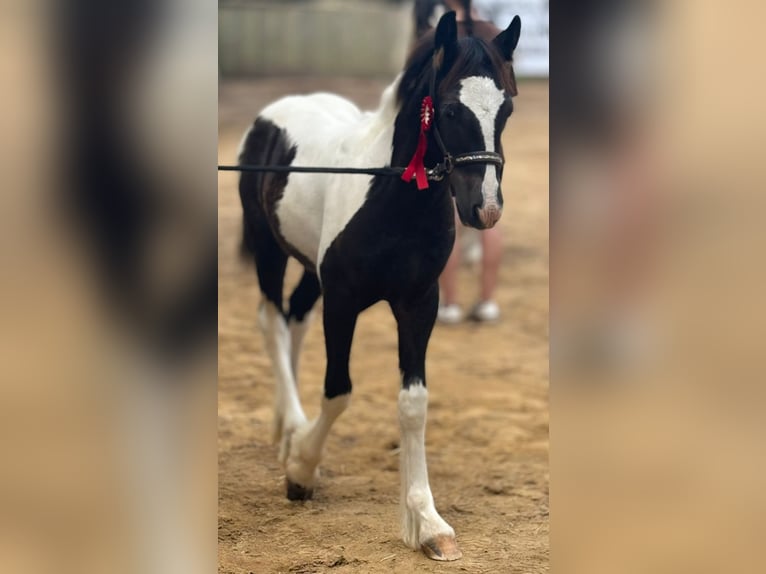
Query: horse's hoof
(297, 492)
(442, 547)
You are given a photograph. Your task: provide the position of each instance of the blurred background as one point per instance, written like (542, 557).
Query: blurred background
(319, 37)
(487, 448)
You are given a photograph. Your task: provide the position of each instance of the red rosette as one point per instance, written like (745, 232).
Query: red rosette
(416, 168)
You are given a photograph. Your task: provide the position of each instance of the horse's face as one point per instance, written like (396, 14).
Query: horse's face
(472, 119)
(474, 104)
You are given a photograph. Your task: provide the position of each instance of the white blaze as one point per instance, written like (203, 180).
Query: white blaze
(480, 95)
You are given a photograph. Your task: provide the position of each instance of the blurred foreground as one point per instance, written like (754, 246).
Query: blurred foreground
(657, 455)
(108, 307)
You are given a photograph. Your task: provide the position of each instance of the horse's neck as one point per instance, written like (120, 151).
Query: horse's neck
(405, 141)
(395, 127)
(388, 106)
(407, 132)
(389, 135)
(398, 203)
(371, 141)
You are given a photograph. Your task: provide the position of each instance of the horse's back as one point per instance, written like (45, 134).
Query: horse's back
(313, 122)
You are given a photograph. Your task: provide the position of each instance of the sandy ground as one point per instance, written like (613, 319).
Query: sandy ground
(487, 435)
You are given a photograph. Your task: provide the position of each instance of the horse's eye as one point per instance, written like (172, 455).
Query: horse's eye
(450, 113)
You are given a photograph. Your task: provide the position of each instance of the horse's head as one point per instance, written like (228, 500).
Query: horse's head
(473, 86)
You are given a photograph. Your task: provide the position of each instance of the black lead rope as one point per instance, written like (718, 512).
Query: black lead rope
(436, 173)
(397, 171)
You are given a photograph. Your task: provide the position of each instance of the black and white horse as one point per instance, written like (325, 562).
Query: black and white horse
(364, 239)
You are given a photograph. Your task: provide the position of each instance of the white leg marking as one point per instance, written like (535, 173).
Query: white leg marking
(288, 414)
(298, 330)
(420, 521)
(308, 441)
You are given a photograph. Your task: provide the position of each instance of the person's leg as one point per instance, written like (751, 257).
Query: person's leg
(492, 254)
(449, 309)
(448, 278)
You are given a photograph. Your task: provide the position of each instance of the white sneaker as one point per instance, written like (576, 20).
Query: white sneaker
(485, 311)
(450, 314)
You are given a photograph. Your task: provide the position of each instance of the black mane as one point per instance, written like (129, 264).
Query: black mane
(474, 57)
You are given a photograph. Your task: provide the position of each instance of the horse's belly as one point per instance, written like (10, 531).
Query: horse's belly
(299, 213)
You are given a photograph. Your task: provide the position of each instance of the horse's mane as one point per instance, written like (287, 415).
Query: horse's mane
(474, 54)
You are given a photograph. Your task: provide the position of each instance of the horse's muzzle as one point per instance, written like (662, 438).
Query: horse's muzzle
(489, 215)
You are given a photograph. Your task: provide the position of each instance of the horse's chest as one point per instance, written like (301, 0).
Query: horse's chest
(385, 251)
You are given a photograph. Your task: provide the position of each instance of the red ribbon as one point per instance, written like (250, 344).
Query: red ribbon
(416, 167)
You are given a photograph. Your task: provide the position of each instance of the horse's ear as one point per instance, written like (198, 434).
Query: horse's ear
(445, 42)
(506, 40)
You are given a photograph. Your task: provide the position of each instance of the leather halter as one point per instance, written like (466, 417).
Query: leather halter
(445, 167)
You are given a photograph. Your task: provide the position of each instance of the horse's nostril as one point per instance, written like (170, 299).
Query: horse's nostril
(488, 215)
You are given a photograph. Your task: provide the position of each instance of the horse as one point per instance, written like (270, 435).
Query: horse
(470, 243)
(364, 239)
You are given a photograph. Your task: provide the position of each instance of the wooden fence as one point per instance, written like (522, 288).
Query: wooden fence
(346, 37)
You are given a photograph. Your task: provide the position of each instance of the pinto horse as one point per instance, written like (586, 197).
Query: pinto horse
(363, 239)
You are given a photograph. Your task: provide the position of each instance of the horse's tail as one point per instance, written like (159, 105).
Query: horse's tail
(263, 144)
(247, 245)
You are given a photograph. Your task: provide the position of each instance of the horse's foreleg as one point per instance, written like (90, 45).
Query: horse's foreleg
(307, 442)
(422, 527)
